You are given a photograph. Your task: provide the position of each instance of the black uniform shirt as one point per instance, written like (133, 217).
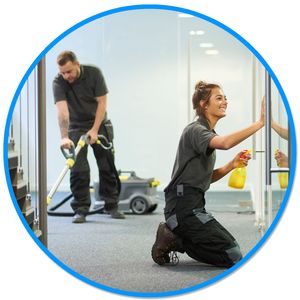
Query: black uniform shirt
(81, 95)
(194, 163)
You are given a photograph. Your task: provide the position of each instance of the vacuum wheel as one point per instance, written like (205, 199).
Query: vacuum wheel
(139, 205)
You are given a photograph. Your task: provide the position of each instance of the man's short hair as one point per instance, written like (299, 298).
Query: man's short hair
(66, 56)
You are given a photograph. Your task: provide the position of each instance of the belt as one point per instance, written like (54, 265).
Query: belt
(181, 190)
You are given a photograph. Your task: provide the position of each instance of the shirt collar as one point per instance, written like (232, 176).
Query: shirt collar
(203, 121)
(82, 74)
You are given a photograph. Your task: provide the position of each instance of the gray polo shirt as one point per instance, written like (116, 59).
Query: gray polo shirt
(194, 163)
(81, 95)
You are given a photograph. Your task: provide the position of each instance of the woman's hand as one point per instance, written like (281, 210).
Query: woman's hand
(281, 159)
(241, 159)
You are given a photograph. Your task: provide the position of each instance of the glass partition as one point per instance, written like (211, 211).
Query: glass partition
(279, 149)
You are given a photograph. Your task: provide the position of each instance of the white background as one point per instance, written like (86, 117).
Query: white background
(27, 27)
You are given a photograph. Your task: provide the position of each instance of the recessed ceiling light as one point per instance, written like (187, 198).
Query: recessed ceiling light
(200, 32)
(206, 45)
(197, 32)
(185, 16)
(212, 52)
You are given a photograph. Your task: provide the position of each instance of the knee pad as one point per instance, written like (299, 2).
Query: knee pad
(234, 254)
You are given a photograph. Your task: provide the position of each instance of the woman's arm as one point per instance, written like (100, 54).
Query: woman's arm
(282, 132)
(228, 141)
(240, 160)
(221, 172)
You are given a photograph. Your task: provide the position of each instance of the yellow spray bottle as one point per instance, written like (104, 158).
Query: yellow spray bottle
(238, 176)
(282, 177)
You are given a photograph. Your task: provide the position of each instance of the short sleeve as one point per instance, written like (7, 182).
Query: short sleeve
(200, 138)
(59, 92)
(100, 84)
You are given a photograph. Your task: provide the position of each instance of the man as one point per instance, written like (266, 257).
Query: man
(80, 97)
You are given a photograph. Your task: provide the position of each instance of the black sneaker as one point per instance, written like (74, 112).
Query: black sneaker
(115, 214)
(79, 218)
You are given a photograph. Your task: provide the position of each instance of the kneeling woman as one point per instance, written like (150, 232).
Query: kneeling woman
(189, 228)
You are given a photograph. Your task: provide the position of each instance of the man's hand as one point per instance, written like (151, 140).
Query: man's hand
(66, 143)
(93, 136)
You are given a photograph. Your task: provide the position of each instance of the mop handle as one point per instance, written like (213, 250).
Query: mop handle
(57, 183)
(68, 153)
(71, 157)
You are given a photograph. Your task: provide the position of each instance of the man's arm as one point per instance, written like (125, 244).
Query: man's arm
(100, 113)
(63, 122)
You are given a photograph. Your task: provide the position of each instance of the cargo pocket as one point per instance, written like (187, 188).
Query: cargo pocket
(234, 253)
(202, 215)
(172, 222)
(109, 130)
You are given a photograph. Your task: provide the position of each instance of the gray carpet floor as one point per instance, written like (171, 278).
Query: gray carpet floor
(116, 253)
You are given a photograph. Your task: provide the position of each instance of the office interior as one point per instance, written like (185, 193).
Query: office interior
(151, 60)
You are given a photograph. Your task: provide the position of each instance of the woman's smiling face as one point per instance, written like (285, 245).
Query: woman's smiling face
(217, 104)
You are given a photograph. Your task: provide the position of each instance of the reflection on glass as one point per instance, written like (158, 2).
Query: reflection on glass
(280, 138)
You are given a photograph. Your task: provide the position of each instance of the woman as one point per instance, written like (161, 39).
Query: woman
(189, 228)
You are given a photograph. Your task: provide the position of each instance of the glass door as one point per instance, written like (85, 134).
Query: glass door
(270, 149)
(277, 145)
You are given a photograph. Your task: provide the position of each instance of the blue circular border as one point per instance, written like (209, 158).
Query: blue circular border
(292, 135)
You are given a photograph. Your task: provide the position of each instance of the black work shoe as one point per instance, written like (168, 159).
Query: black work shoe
(78, 218)
(115, 214)
(165, 243)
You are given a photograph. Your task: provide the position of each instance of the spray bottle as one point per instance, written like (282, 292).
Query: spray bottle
(238, 175)
(282, 177)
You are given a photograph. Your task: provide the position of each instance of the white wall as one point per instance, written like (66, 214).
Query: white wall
(143, 55)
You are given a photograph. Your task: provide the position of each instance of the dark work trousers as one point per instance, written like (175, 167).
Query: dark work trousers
(80, 176)
(202, 237)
